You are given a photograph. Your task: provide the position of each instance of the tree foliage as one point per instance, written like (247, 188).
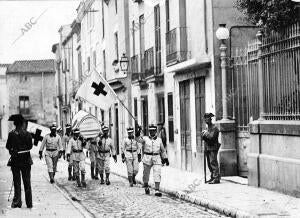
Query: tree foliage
(271, 15)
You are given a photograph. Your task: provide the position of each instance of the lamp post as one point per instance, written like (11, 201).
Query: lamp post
(124, 63)
(222, 34)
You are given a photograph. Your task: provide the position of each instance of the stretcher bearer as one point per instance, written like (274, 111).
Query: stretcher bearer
(105, 150)
(76, 153)
(154, 155)
(131, 153)
(93, 152)
(52, 143)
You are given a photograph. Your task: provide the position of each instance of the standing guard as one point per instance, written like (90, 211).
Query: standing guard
(210, 136)
(105, 150)
(92, 153)
(53, 152)
(76, 153)
(131, 153)
(154, 155)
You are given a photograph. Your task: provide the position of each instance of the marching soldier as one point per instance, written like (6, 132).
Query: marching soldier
(65, 141)
(76, 153)
(105, 150)
(131, 153)
(154, 155)
(53, 152)
(93, 152)
(210, 136)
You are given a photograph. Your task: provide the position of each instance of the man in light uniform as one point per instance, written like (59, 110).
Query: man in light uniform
(131, 153)
(105, 150)
(93, 152)
(76, 153)
(65, 141)
(154, 155)
(53, 152)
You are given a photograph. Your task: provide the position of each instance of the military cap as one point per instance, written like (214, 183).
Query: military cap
(208, 115)
(59, 128)
(16, 117)
(76, 131)
(68, 126)
(152, 127)
(130, 129)
(104, 128)
(53, 126)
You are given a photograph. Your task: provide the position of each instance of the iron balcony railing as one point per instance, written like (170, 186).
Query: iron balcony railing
(176, 45)
(149, 62)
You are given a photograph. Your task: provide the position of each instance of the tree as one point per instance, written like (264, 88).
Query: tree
(271, 15)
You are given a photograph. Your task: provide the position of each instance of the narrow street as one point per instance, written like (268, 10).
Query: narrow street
(116, 200)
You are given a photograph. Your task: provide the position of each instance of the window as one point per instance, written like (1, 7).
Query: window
(24, 104)
(135, 112)
(116, 46)
(133, 38)
(142, 41)
(157, 39)
(96, 112)
(94, 59)
(167, 16)
(102, 115)
(161, 108)
(89, 63)
(79, 66)
(104, 64)
(116, 6)
(23, 78)
(103, 25)
(170, 117)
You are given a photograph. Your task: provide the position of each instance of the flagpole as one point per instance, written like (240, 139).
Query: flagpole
(117, 97)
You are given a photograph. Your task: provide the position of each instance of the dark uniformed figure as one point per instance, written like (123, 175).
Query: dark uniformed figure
(210, 136)
(154, 155)
(53, 145)
(162, 134)
(65, 142)
(19, 144)
(131, 154)
(76, 153)
(105, 150)
(93, 152)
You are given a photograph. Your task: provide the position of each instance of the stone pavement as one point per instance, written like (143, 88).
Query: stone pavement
(232, 196)
(48, 199)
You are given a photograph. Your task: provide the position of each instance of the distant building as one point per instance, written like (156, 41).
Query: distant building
(31, 89)
(3, 102)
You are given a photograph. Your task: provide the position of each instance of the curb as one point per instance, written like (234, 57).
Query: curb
(206, 203)
(77, 205)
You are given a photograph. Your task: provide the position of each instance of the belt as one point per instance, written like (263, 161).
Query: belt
(21, 152)
(77, 151)
(129, 150)
(103, 151)
(48, 149)
(151, 153)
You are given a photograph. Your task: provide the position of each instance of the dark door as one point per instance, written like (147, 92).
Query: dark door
(200, 110)
(145, 114)
(117, 128)
(185, 129)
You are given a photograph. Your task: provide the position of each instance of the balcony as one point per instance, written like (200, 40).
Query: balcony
(153, 66)
(137, 76)
(176, 46)
(149, 62)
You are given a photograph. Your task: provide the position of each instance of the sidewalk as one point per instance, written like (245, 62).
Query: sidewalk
(231, 197)
(48, 199)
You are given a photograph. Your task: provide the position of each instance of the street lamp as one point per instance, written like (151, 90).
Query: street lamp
(222, 34)
(124, 63)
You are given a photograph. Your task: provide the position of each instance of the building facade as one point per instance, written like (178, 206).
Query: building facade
(31, 90)
(4, 102)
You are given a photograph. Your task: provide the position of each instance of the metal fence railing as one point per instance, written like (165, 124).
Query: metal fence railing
(277, 58)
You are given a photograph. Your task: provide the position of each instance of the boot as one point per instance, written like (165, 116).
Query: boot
(130, 181)
(83, 180)
(107, 179)
(157, 193)
(74, 175)
(70, 173)
(92, 172)
(147, 190)
(96, 174)
(51, 177)
(102, 180)
(133, 179)
(78, 180)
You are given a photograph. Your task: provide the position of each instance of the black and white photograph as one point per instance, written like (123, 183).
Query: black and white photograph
(149, 108)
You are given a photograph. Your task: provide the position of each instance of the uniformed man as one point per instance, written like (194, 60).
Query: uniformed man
(131, 153)
(154, 155)
(65, 141)
(19, 144)
(76, 153)
(210, 136)
(52, 143)
(93, 152)
(105, 150)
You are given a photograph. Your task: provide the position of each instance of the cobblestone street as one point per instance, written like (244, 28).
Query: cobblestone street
(118, 200)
